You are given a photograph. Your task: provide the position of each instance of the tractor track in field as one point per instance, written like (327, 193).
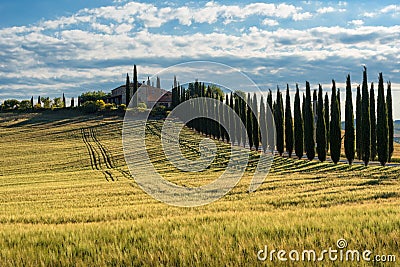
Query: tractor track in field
(100, 157)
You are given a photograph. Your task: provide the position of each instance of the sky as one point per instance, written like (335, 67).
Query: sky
(52, 47)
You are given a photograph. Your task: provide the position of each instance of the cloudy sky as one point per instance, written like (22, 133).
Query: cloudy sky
(48, 47)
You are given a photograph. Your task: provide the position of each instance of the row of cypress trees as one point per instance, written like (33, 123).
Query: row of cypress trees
(315, 128)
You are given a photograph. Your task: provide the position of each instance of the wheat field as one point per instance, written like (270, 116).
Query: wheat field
(67, 199)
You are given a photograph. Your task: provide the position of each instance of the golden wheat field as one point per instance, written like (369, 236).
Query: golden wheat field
(67, 199)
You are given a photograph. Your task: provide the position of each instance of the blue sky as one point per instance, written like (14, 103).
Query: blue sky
(50, 47)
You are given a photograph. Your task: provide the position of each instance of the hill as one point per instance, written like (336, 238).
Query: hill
(67, 199)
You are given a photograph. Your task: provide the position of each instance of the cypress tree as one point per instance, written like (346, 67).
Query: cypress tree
(127, 89)
(389, 106)
(372, 111)
(320, 132)
(249, 121)
(232, 120)
(227, 119)
(39, 100)
(63, 101)
(72, 102)
(298, 125)
(237, 122)
(263, 125)
(327, 120)
(222, 118)
(32, 102)
(382, 125)
(335, 134)
(256, 130)
(303, 107)
(349, 123)
(269, 99)
(358, 124)
(243, 116)
(279, 123)
(309, 125)
(288, 124)
(366, 121)
(135, 86)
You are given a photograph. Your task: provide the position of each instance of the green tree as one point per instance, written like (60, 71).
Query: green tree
(334, 129)
(57, 103)
(320, 131)
(46, 102)
(298, 126)
(269, 99)
(92, 96)
(349, 124)
(279, 123)
(227, 119)
(327, 117)
(382, 125)
(358, 124)
(32, 102)
(288, 124)
(365, 121)
(256, 130)
(25, 105)
(135, 87)
(309, 125)
(389, 105)
(64, 105)
(263, 125)
(373, 121)
(232, 119)
(249, 121)
(127, 89)
(72, 102)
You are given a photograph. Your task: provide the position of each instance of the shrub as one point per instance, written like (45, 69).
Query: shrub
(142, 105)
(109, 106)
(122, 107)
(25, 105)
(89, 107)
(100, 104)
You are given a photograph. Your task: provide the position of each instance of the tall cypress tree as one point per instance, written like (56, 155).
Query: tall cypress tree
(389, 106)
(366, 120)
(269, 99)
(249, 121)
(309, 125)
(320, 132)
(243, 116)
(349, 123)
(303, 108)
(288, 124)
(382, 125)
(72, 102)
(279, 123)
(373, 121)
(334, 129)
(32, 102)
(263, 125)
(39, 100)
(127, 90)
(327, 119)
(135, 86)
(237, 122)
(298, 126)
(227, 119)
(63, 101)
(222, 118)
(358, 124)
(232, 122)
(256, 129)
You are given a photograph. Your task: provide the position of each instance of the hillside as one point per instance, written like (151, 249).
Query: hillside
(67, 199)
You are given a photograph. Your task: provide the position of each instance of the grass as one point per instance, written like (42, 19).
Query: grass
(66, 199)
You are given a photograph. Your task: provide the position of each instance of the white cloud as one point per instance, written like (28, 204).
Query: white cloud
(270, 22)
(325, 10)
(356, 22)
(302, 16)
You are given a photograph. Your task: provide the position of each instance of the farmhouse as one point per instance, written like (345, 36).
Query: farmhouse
(150, 95)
